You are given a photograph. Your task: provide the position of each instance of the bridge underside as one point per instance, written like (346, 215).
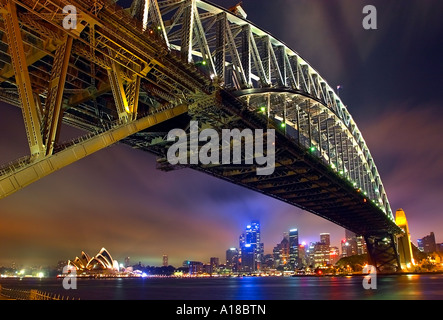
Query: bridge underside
(299, 178)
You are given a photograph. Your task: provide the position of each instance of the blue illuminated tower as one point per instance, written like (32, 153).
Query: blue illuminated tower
(251, 248)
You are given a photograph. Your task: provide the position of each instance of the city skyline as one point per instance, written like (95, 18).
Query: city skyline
(324, 238)
(116, 198)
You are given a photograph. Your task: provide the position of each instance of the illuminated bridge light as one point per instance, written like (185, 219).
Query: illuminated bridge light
(282, 124)
(312, 149)
(263, 109)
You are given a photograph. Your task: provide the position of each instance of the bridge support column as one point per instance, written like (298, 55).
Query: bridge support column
(404, 241)
(382, 252)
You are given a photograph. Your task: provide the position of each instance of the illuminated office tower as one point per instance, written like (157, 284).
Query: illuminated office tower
(248, 258)
(251, 249)
(353, 244)
(361, 245)
(232, 257)
(302, 255)
(281, 253)
(325, 238)
(165, 260)
(293, 248)
(214, 264)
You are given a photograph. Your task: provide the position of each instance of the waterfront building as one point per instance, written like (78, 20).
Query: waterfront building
(101, 263)
(214, 263)
(232, 257)
(427, 244)
(194, 267)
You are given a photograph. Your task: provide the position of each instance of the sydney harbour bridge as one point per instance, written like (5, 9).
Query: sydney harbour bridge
(130, 75)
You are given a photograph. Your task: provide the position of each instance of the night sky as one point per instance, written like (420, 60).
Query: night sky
(392, 84)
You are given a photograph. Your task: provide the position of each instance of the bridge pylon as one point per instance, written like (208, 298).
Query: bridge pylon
(404, 246)
(383, 253)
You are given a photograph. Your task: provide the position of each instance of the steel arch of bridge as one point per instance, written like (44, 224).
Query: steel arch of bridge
(122, 72)
(264, 72)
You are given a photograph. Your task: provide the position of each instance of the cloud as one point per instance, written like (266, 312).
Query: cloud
(405, 143)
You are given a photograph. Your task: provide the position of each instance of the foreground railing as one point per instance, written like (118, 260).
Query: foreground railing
(32, 294)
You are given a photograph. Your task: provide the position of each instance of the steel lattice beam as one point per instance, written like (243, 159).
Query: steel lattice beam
(54, 100)
(22, 78)
(35, 170)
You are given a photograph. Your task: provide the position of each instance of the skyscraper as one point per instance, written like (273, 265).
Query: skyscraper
(248, 258)
(232, 257)
(293, 248)
(251, 249)
(349, 244)
(322, 250)
(302, 255)
(165, 260)
(353, 244)
(214, 263)
(325, 238)
(281, 253)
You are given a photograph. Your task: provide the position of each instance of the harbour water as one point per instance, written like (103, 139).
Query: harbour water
(389, 287)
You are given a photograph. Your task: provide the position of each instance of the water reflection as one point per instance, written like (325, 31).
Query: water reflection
(394, 287)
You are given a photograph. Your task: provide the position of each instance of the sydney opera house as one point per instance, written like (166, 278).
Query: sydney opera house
(101, 263)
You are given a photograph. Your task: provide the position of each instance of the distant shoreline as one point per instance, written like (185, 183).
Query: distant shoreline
(98, 277)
